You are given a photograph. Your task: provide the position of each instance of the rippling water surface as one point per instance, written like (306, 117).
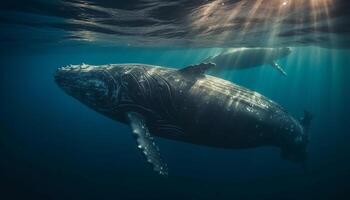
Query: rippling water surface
(183, 23)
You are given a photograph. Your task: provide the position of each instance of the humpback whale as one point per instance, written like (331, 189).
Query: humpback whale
(244, 58)
(184, 105)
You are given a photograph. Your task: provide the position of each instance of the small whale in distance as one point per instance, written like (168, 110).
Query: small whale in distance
(244, 58)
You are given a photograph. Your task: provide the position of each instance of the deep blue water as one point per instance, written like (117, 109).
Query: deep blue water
(53, 147)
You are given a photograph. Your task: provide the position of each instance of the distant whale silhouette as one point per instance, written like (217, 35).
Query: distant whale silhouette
(249, 57)
(184, 105)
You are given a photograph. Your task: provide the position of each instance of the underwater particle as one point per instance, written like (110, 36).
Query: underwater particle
(248, 109)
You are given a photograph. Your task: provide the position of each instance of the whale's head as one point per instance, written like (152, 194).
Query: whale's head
(89, 84)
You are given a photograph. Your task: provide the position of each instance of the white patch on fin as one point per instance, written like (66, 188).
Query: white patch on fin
(279, 68)
(145, 142)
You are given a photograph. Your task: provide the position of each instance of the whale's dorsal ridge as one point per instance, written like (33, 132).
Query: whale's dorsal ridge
(197, 69)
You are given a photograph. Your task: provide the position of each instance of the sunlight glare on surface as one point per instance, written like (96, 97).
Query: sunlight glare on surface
(244, 19)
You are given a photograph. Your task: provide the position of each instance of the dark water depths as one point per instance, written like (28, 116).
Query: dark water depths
(53, 147)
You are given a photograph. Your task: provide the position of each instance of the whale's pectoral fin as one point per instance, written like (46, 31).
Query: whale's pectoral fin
(279, 68)
(198, 69)
(145, 142)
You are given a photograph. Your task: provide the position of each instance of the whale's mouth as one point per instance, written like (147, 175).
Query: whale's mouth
(65, 84)
(63, 78)
(59, 77)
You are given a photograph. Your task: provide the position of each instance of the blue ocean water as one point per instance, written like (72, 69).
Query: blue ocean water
(53, 147)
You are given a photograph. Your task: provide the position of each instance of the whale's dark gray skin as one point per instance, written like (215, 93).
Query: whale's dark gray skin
(184, 105)
(244, 58)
